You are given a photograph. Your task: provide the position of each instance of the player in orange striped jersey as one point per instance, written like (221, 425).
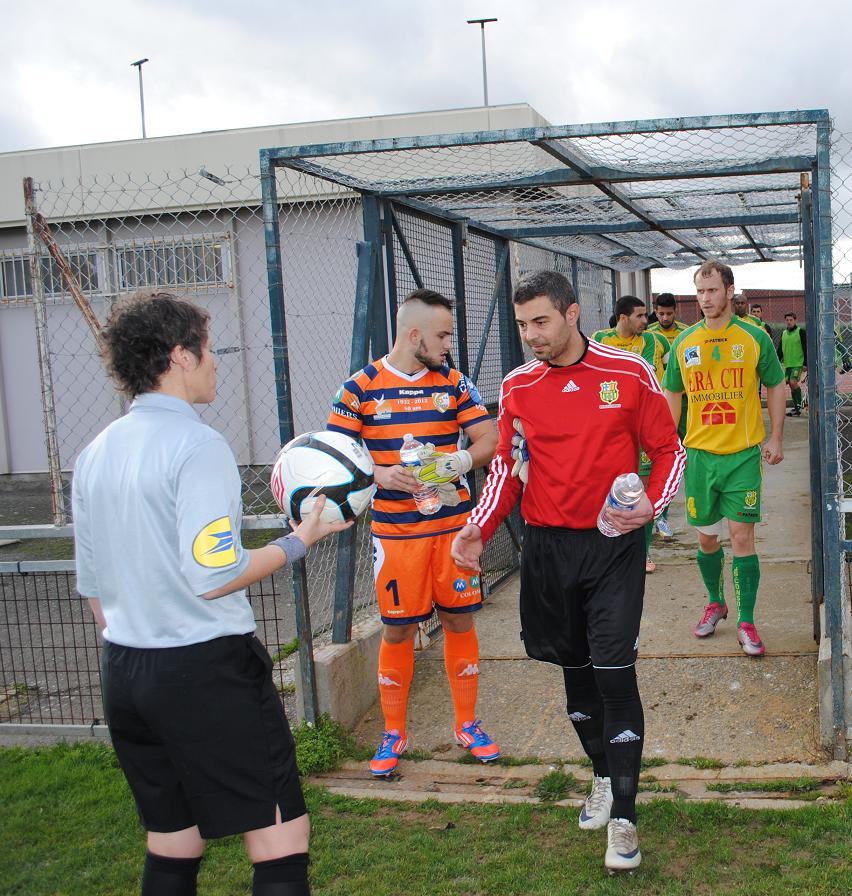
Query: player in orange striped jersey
(413, 390)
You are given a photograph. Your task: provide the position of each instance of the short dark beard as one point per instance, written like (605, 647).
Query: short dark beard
(421, 356)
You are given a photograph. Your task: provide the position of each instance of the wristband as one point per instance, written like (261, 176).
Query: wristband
(293, 547)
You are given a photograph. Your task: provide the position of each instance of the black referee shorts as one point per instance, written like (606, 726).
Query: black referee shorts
(201, 735)
(581, 596)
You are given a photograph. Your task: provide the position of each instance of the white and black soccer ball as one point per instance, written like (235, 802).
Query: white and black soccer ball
(323, 463)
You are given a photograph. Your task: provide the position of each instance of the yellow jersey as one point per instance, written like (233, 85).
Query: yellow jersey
(646, 344)
(672, 333)
(719, 371)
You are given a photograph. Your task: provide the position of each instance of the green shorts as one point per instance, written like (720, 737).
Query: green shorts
(723, 485)
(644, 464)
(792, 373)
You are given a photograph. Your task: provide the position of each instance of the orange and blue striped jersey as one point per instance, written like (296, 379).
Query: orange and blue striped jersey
(381, 404)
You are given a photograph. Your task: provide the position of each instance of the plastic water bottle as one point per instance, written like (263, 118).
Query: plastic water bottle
(427, 499)
(625, 492)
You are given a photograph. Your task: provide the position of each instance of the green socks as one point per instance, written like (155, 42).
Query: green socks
(746, 575)
(710, 567)
(649, 530)
(797, 398)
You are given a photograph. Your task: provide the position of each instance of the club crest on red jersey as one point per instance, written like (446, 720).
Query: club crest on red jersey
(609, 392)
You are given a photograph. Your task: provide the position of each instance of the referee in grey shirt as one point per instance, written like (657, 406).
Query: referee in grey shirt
(195, 719)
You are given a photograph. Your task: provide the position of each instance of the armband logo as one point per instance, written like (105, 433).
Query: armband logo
(214, 546)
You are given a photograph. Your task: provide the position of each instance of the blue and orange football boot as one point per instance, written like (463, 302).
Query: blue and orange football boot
(481, 746)
(387, 755)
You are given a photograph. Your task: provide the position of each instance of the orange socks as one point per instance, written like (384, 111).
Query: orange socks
(461, 660)
(396, 669)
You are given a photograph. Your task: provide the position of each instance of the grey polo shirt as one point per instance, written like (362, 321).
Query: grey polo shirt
(157, 510)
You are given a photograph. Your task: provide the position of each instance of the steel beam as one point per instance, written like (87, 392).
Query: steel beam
(560, 132)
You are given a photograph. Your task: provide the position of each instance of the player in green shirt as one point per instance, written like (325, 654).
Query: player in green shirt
(793, 355)
(665, 307)
(718, 363)
(631, 334)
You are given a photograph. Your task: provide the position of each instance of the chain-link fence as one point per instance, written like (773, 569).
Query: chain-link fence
(50, 649)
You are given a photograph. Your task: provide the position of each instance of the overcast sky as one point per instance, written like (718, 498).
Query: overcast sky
(67, 78)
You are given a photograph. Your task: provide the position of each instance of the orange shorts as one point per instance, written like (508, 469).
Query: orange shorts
(414, 574)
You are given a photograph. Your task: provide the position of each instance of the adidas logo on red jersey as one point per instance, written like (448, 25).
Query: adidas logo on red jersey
(571, 386)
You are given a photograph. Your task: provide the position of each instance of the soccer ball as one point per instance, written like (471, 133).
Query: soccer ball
(323, 463)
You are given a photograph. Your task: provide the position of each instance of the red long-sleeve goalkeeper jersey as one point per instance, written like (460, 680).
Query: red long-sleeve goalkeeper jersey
(584, 424)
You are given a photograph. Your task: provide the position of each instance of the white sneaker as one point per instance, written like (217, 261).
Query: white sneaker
(595, 811)
(622, 846)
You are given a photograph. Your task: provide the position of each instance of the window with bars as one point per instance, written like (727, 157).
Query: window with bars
(16, 280)
(202, 261)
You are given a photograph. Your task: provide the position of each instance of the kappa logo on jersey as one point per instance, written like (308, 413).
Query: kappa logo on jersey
(441, 400)
(460, 585)
(737, 352)
(381, 411)
(718, 413)
(609, 392)
(388, 682)
(751, 499)
(214, 546)
(570, 386)
(690, 508)
(692, 356)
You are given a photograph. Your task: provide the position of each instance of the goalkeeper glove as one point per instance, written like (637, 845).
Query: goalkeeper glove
(520, 452)
(437, 468)
(448, 494)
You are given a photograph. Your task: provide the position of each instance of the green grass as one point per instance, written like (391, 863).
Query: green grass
(555, 785)
(504, 761)
(797, 785)
(68, 828)
(285, 650)
(702, 762)
(323, 746)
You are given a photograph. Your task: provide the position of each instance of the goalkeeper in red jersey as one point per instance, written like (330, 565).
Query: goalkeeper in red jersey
(583, 410)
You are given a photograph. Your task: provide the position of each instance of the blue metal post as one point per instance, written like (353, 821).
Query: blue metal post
(378, 304)
(815, 428)
(390, 263)
(285, 419)
(344, 582)
(832, 516)
(459, 287)
(511, 354)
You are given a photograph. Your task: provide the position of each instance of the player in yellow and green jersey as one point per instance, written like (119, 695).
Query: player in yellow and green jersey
(631, 334)
(718, 363)
(665, 307)
(741, 310)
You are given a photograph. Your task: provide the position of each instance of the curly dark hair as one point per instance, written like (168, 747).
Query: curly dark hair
(140, 334)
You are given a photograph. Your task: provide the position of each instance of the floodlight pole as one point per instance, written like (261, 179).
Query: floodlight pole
(139, 63)
(482, 23)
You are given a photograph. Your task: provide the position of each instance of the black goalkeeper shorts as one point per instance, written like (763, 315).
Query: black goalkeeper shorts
(581, 596)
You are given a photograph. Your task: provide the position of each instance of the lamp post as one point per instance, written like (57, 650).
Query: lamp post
(139, 63)
(482, 23)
